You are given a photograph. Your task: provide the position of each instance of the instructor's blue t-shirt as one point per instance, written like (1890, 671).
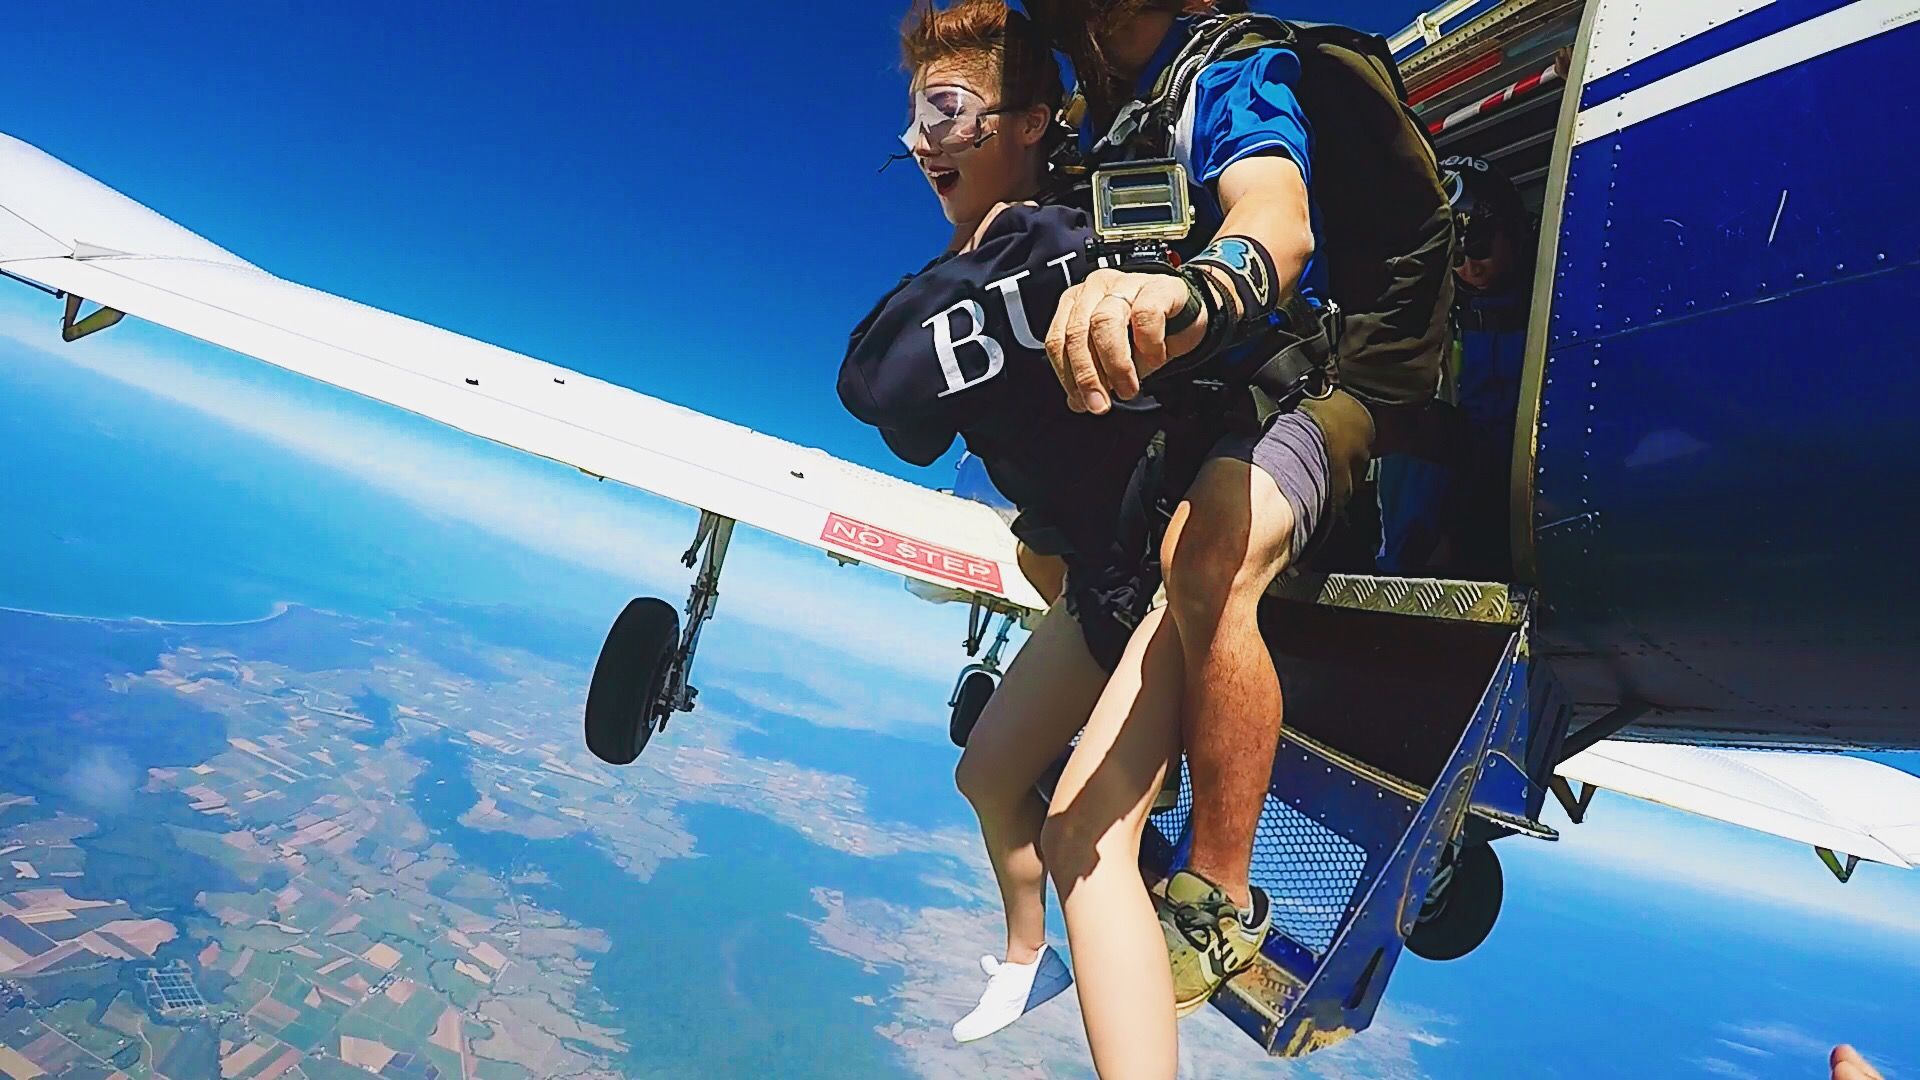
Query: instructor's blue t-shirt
(1238, 109)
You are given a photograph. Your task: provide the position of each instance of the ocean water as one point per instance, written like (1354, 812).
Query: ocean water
(909, 781)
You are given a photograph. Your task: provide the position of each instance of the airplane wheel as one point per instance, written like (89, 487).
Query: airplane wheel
(623, 700)
(975, 690)
(1461, 913)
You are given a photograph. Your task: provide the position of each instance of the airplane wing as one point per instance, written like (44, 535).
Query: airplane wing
(1840, 804)
(62, 229)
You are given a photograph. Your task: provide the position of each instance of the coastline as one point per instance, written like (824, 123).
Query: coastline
(280, 607)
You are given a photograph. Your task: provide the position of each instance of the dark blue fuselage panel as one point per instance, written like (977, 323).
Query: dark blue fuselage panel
(1723, 498)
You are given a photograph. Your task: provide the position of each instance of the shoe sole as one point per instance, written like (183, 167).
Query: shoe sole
(1055, 992)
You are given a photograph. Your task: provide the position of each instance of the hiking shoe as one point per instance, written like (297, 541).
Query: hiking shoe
(1209, 939)
(1013, 990)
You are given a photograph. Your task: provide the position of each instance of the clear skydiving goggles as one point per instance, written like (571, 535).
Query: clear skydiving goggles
(951, 119)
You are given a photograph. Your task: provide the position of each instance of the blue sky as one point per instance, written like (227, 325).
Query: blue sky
(664, 195)
(688, 204)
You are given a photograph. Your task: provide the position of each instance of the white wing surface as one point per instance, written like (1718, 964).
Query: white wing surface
(1846, 805)
(67, 231)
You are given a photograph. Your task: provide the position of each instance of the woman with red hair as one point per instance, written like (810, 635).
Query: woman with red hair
(956, 350)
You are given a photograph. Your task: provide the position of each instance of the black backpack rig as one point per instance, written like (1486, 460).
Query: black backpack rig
(1386, 229)
(1386, 237)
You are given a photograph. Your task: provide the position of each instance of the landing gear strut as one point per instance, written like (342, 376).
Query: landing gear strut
(977, 681)
(644, 672)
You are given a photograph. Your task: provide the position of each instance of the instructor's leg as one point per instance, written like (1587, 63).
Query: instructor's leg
(1226, 543)
(1046, 697)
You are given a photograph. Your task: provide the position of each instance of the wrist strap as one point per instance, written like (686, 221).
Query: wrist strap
(1154, 257)
(1205, 291)
(1220, 326)
(1249, 267)
(1190, 312)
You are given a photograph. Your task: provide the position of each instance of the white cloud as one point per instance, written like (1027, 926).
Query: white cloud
(935, 985)
(1797, 1048)
(1722, 1067)
(1779, 1037)
(103, 779)
(635, 538)
(1385, 1051)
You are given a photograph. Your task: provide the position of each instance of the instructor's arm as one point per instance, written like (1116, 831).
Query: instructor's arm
(1110, 331)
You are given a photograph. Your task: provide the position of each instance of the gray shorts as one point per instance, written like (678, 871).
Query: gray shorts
(1292, 450)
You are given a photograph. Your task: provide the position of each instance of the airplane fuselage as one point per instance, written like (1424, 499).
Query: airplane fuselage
(1715, 496)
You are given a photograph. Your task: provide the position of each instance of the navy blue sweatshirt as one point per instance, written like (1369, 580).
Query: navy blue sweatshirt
(959, 350)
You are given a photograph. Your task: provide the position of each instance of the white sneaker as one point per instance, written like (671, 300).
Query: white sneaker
(1013, 990)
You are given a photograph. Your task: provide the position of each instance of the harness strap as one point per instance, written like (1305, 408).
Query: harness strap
(1306, 368)
(1151, 121)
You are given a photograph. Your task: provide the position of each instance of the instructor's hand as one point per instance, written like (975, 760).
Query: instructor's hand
(1110, 331)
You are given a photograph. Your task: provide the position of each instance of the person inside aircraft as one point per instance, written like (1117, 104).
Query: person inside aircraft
(1444, 511)
(954, 350)
(1264, 494)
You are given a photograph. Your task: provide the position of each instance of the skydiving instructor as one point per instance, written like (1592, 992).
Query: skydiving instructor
(1258, 256)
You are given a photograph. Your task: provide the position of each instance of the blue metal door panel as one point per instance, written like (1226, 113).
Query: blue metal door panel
(1722, 472)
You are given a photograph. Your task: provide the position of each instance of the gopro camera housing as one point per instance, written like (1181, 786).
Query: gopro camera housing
(1142, 200)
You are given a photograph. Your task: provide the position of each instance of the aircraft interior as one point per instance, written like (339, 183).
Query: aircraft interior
(1495, 97)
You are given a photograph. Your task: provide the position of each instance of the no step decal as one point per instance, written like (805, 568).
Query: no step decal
(930, 559)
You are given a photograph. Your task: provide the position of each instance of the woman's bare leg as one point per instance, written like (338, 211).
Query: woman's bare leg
(1092, 845)
(1046, 696)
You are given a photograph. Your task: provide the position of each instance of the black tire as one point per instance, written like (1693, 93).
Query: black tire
(624, 697)
(975, 691)
(1460, 917)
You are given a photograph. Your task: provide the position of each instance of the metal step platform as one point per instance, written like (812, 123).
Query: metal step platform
(1406, 703)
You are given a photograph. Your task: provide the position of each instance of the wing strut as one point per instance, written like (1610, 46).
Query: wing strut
(1606, 727)
(1843, 871)
(1575, 806)
(73, 327)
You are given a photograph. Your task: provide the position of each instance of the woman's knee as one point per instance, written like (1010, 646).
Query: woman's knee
(1076, 837)
(985, 783)
(974, 781)
(1069, 846)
